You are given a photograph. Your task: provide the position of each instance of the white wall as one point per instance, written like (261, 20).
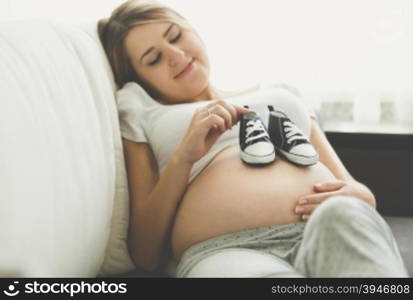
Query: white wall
(64, 10)
(318, 45)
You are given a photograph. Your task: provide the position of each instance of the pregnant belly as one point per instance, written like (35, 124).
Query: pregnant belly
(230, 196)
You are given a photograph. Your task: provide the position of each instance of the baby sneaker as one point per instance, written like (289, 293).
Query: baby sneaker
(289, 140)
(255, 143)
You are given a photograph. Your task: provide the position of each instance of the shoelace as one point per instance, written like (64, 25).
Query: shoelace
(254, 126)
(292, 132)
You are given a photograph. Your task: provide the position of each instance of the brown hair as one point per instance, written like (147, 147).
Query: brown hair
(113, 31)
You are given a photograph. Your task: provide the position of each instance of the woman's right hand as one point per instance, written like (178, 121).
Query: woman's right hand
(204, 130)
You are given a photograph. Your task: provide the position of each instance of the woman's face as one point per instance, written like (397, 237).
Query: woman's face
(171, 59)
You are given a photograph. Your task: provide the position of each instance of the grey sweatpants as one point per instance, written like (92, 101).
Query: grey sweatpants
(344, 237)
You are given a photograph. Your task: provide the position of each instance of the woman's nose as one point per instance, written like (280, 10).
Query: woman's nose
(176, 55)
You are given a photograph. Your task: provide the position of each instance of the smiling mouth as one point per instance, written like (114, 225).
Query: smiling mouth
(186, 69)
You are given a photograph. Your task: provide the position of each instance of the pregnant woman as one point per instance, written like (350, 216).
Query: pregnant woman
(195, 202)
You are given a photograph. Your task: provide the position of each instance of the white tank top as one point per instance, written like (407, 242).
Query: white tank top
(144, 120)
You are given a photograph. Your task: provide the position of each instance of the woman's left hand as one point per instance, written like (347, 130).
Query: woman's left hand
(308, 203)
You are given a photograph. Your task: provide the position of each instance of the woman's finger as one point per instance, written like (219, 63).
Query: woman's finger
(215, 121)
(316, 198)
(232, 111)
(329, 186)
(241, 110)
(201, 113)
(305, 209)
(221, 108)
(223, 113)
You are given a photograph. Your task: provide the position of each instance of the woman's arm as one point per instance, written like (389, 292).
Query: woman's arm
(155, 199)
(327, 154)
(153, 202)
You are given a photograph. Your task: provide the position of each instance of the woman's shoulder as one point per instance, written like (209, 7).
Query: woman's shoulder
(231, 94)
(262, 86)
(281, 86)
(132, 94)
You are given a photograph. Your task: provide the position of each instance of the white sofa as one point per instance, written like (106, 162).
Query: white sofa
(63, 186)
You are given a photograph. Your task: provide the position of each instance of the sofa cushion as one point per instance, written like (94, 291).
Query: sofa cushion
(63, 195)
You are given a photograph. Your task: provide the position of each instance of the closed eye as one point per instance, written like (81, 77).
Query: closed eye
(156, 60)
(176, 39)
(158, 57)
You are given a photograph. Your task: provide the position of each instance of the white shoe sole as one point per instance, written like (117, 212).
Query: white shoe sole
(300, 160)
(257, 160)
